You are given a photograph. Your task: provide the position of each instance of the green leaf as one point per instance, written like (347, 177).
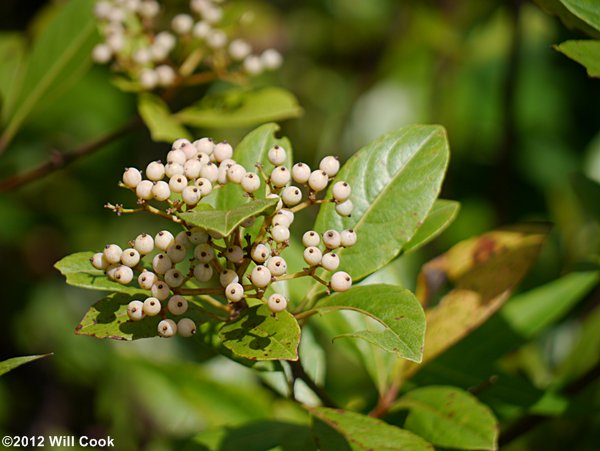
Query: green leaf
(395, 308)
(484, 270)
(395, 181)
(60, 56)
(586, 10)
(12, 55)
(108, 318)
(586, 53)
(260, 335)
(441, 215)
(449, 417)
(159, 120)
(251, 150)
(366, 433)
(11, 364)
(557, 8)
(236, 108)
(255, 436)
(226, 221)
(80, 273)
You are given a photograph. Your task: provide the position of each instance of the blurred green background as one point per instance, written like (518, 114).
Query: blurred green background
(522, 121)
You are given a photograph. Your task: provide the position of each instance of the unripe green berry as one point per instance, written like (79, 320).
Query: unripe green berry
(144, 244)
(280, 176)
(177, 305)
(174, 277)
(301, 173)
(160, 290)
(132, 177)
(341, 191)
(112, 253)
(330, 165)
(203, 272)
(312, 255)
(277, 266)
(348, 238)
(161, 191)
(186, 327)
(167, 328)
(332, 239)
(130, 257)
(277, 303)
(260, 276)
(161, 263)
(152, 306)
(234, 292)
(99, 261)
(330, 261)
(340, 281)
(135, 310)
(276, 155)
(260, 253)
(318, 180)
(163, 240)
(311, 238)
(146, 279)
(228, 276)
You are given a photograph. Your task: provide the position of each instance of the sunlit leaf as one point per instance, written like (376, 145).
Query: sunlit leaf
(586, 53)
(395, 308)
(260, 335)
(11, 364)
(439, 218)
(449, 417)
(586, 10)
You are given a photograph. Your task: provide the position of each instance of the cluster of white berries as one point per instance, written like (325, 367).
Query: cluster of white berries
(202, 262)
(155, 57)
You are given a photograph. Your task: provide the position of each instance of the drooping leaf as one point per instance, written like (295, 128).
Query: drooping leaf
(484, 270)
(225, 221)
(571, 20)
(59, 57)
(439, 218)
(585, 52)
(11, 364)
(259, 335)
(449, 417)
(80, 273)
(255, 436)
(365, 433)
(586, 10)
(12, 55)
(395, 308)
(108, 318)
(395, 181)
(159, 120)
(251, 150)
(235, 108)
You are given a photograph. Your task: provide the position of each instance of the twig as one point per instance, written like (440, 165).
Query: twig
(298, 372)
(59, 160)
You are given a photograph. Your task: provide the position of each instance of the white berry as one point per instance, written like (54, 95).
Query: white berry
(271, 59)
(318, 180)
(186, 327)
(167, 328)
(192, 168)
(152, 306)
(277, 265)
(238, 49)
(177, 183)
(235, 173)
(160, 290)
(300, 173)
(177, 305)
(291, 196)
(228, 276)
(161, 263)
(182, 23)
(173, 169)
(234, 292)
(341, 191)
(330, 165)
(204, 253)
(144, 244)
(204, 185)
(340, 281)
(260, 276)
(277, 303)
(161, 191)
(155, 171)
(135, 310)
(132, 177)
(332, 239)
(280, 176)
(348, 238)
(222, 151)
(312, 255)
(234, 254)
(164, 239)
(99, 261)
(203, 272)
(123, 275)
(311, 238)
(276, 155)
(345, 208)
(260, 253)
(112, 253)
(143, 190)
(146, 279)
(191, 195)
(280, 233)
(250, 182)
(198, 236)
(174, 277)
(130, 257)
(330, 261)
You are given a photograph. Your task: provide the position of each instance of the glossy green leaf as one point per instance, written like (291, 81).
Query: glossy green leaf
(449, 417)
(260, 335)
(79, 272)
(586, 10)
(586, 53)
(255, 436)
(59, 57)
(395, 308)
(439, 218)
(12, 55)
(571, 20)
(366, 433)
(11, 364)
(159, 120)
(226, 221)
(251, 150)
(108, 318)
(235, 108)
(484, 270)
(395, 181)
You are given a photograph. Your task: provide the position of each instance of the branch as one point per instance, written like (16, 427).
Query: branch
(298, 372)
(59, 160)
